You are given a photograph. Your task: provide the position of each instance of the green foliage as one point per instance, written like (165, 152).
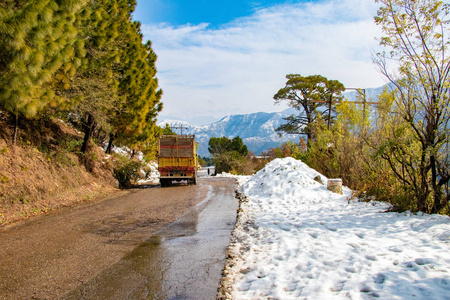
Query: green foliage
(417, 35)
(223, 145)
(167, 130)
(71, 145)
(400, 153)
(149, 141)
(39, 47)
(206, 161)
(380, 159)
(126, 170)
(95, 85)
(83, 59)
(132, 118)
(135, 121)
(201, 162)
(307, 95)
(227, 154)
(339, 152)
(287, 149)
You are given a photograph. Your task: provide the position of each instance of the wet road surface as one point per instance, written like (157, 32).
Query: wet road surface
(124, 248)
(183, 261)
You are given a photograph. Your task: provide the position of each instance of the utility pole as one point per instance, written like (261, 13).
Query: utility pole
(179, 127)
(329, 110)
(364, 102)
(359, 90)
(330, 102)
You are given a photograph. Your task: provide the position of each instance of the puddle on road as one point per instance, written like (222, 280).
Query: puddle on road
(184, 261)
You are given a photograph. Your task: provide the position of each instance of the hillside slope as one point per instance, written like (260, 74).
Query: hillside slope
(44, 172)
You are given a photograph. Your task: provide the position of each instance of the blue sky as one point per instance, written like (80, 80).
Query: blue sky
(213, 12)
(217, 58)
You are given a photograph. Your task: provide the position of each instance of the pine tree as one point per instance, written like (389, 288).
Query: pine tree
(307, 94)
(84, 57)
(117, 81)
(134, 123)
(95, 85)
(38, 41)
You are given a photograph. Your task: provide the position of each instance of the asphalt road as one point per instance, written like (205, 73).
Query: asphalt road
(159, 243)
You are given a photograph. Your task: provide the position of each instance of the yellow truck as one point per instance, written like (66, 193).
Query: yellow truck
(177, 159)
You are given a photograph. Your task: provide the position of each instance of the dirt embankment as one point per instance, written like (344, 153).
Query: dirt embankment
(42, 172)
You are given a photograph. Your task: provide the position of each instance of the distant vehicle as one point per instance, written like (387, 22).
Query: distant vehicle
(177, 159)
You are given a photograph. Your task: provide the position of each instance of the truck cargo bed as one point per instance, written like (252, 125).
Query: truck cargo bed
(177, 159)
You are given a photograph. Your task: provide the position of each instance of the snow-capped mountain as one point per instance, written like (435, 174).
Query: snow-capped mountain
(371, 93)
(257, 130)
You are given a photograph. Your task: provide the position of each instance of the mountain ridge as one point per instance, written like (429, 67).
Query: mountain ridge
(257, 130)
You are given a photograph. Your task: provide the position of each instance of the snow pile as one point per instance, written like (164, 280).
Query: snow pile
(241, 179)
(150, 174)
(296, 240)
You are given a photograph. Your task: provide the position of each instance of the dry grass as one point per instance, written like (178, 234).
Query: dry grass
(43, 172)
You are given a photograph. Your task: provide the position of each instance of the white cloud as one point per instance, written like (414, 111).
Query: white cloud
(239, 67)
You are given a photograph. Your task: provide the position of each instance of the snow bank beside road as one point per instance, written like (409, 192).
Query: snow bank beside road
(295, 239)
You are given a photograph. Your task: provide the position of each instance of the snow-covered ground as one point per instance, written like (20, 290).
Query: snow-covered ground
(296, 240)
(151, 175)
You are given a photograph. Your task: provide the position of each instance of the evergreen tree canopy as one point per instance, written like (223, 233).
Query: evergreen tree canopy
(166, 130)
(306, 94)
(39, 51)
(117, 82)
(223, 144)
(84, 58)
(227, 153)
(138, 90)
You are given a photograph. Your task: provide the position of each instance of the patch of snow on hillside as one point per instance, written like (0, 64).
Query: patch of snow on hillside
(294, 239)
(269, 125)
(150, 175)
(187, 127)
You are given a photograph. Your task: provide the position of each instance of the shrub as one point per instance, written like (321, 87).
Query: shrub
(127, 171)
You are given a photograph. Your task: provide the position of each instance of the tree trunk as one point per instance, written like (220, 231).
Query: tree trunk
(16, 128)
(110, 144)
(329, 111)
(423, 191)
(309, 133)
(440, 199)
(88, 129)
